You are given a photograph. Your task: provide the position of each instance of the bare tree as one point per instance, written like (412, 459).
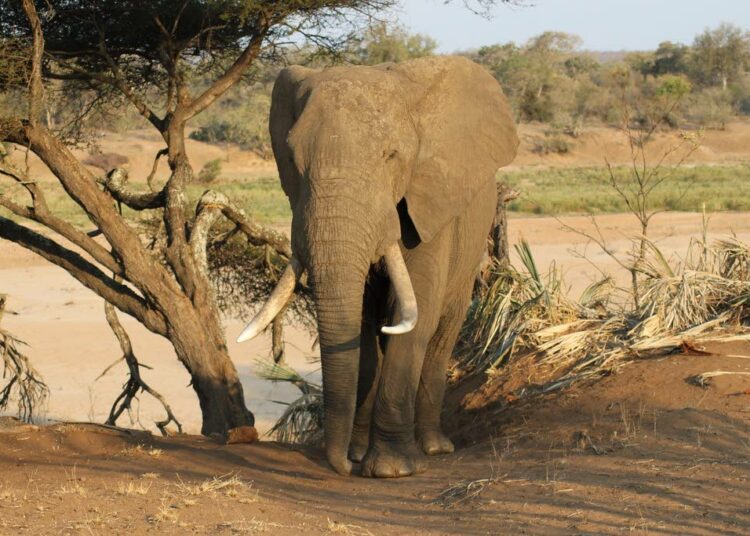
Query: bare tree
(644, 176)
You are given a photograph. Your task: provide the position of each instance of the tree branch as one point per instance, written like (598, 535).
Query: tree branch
(81, 186)
(135, 382)
(115, 183)
(256, 234)
(36, 88)
(86, 273)
(40, 213)
(230, 77)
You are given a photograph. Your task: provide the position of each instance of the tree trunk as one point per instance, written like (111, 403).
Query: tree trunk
(499, 233)
(199, 343)
(498, 247)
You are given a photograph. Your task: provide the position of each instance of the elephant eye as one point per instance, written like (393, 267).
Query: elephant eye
(390, 155)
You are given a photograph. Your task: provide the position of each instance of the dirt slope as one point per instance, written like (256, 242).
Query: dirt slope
(643, 451)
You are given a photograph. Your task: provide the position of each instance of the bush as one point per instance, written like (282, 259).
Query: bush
(242, 119)
(210, 171)
(230, 132)
(710, 108)
(553, 144)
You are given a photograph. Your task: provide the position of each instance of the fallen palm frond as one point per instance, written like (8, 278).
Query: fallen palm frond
(525, 325)
(22, 382)
(702, 379)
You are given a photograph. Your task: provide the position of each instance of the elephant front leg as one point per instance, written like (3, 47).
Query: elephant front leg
(431, 392)
(393, 451)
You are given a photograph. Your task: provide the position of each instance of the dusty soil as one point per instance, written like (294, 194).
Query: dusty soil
(643, 451)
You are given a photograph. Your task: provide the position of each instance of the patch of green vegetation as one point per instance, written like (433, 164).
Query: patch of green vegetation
(555, 191)
(550, 191)
(262, 199)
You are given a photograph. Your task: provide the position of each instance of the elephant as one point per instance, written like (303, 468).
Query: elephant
(390, 174)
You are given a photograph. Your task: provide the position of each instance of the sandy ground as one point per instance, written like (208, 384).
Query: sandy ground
(71, 344)
(640, 452)
(643, 451)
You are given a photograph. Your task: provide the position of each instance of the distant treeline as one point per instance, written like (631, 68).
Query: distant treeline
(548, 79)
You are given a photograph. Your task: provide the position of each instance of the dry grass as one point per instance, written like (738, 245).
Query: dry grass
(141, 451)
(525, 320)
(336, 527)
(229, 485)
(131, 489)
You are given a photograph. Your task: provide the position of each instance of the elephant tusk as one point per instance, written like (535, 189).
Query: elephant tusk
(276, 301)
(407, 301)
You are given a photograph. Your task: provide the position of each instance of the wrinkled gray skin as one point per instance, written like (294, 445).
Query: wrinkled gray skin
(369, 156)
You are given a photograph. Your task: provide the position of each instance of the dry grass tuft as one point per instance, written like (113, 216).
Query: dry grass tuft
(350, 530)
(131, 489)
(525, 321)
(231, 485)
(141, 450)
(465, 491)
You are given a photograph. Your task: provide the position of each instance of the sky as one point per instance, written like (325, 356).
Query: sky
(609, 25)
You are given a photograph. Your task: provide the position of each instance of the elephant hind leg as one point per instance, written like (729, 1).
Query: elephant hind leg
(429, 405)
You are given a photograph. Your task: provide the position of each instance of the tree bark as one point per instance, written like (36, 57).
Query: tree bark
(199, 342)
(499, 234)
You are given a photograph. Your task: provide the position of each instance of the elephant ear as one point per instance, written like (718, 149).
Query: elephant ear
(466, 132)
(287, 101)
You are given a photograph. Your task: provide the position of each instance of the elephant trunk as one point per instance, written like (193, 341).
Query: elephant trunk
(338, 292)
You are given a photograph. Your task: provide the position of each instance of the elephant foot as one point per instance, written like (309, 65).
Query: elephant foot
(385, 460)
(339, 463)
(357, 452)
(435, 442)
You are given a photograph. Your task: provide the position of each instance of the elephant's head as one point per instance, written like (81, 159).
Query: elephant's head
(370, 156)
